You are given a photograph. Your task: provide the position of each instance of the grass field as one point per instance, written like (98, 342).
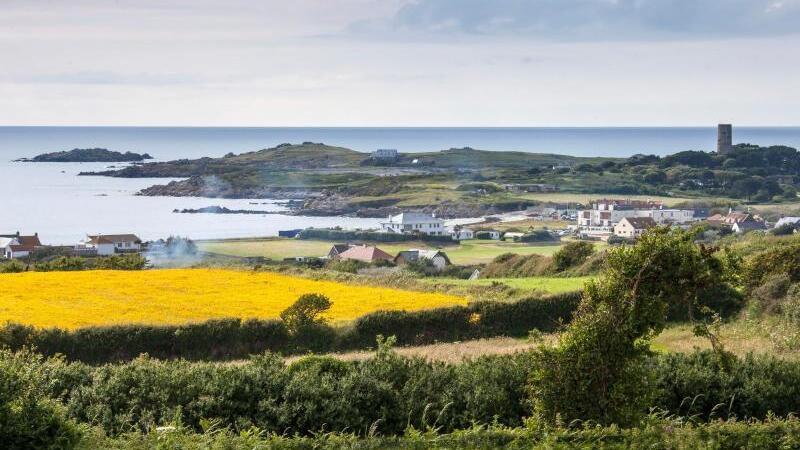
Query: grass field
(552, 285)
(78, 299)
(566, 197)
(469, 252)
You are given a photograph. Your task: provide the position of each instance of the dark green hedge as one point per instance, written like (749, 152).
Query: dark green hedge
(349, 235)
(233, 338)
(319, 394)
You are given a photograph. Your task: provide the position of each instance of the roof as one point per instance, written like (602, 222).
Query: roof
(640, 223)
(6, 241)
(30, 241)
(736, 217)
(21, 248)
(113, 238)
(339, 248)
(412, 217)
(415, 254)
(787, 221)
(365, 253)
(747, 225)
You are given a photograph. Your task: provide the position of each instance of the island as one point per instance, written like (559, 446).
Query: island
(467, 182)
(88, 155)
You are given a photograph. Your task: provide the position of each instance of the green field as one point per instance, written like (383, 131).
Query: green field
(552, 285)
(568, 197)
(469, 252)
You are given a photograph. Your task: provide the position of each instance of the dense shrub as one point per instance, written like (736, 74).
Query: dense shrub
(28, 418)
(345, 265)
(752, 386)
(770, 295)
(219, 339)
(539, 236)
(778, 260)
(131, 261)
(571, 255)
(12, 266)
(385, 393)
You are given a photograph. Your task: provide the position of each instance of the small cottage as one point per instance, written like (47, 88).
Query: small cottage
(633, 227)
(438, 258)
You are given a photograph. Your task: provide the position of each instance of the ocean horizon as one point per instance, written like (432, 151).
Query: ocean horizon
(193, 142)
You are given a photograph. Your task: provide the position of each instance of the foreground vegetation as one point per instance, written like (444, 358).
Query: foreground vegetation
(597, 383)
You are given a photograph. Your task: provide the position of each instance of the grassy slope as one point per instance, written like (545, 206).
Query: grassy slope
(552, 285)
(469, 252)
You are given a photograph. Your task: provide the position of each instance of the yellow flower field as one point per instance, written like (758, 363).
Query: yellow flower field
(103, 297)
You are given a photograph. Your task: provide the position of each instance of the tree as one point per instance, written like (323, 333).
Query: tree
(305, 312)
(598, 369)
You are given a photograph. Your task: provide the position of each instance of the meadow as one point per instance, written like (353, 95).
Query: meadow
(553, 285)
(73, 300)
(468, 252)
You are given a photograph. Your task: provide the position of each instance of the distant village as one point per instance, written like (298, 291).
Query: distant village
(621, 220)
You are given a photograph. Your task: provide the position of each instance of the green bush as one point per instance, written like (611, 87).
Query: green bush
(539, 236)
(598, 370)
(571, 255)
(28, 418)
(12, 266)
(779, 260)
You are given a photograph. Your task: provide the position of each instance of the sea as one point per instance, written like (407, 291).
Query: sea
(50, 199)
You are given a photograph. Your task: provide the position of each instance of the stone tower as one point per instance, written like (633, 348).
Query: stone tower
(724, 138)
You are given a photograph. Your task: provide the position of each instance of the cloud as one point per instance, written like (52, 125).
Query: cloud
(594, 19)
(109, 78)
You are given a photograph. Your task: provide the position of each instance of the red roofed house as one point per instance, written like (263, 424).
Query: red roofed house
(18, 246)
(365, 253)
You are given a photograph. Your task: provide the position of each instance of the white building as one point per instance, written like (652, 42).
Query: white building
(385, 154)
(410, 223)
(109, 244)
(459, 233)
(605, 214)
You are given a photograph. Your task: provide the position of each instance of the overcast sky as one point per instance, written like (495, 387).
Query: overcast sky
(399, 62)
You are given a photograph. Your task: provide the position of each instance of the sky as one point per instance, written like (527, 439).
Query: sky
(400, 62)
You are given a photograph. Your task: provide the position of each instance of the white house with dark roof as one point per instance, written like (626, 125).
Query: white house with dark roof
(410, 223)
(109, 244)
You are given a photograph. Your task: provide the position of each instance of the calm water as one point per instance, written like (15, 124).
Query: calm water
(50, 199)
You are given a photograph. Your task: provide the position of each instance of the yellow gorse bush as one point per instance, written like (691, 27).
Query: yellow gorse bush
(103, 297)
